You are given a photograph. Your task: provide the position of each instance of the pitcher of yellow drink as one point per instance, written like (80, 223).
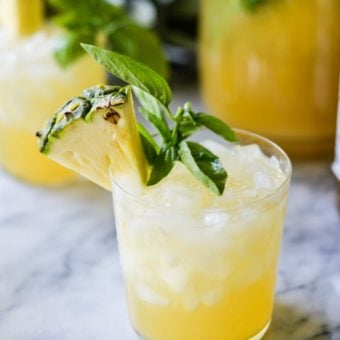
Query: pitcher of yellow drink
(32, 85)
(272, 66)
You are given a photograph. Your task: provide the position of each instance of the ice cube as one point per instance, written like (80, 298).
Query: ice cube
(181, 197)
(218, 149)
(181, 226)
(148, 295)
(176, 278)
(168, 258)
(262, 180)
(128, 264)
(180, 190)
(275, 163)
(249, 193)
(250, 152)
(212, 297)
(248, 214)
(190, 302)
(215, 218)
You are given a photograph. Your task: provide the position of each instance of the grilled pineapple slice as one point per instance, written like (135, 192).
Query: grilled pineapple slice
(96, 135)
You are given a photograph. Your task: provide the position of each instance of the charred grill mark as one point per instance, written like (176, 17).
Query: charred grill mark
(68, 115)
(112, 116)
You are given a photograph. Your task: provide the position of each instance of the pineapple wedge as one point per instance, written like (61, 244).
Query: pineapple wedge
(96, 135)
(21, 17)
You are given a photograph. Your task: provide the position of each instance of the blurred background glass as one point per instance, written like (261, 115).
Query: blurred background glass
(272, 67)
(176, 22)
(32, 86)
(336, 163)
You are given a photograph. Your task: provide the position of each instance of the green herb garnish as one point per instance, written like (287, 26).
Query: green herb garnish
(252, 5)
(174, 130)
(99, 21)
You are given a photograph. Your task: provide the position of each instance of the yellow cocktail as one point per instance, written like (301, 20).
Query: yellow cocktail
(198, 266)
(32, 85)
(274, 69)
(199, 254)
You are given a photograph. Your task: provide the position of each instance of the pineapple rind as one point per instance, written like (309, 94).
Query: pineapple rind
(81, 107)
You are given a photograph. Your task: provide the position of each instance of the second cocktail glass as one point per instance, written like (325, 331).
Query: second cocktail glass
(272, 67)
(32, 86)
(203, 273)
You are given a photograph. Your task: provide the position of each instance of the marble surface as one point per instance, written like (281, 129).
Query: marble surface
(60, 277)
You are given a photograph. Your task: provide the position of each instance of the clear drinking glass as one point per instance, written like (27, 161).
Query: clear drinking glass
(202, 274)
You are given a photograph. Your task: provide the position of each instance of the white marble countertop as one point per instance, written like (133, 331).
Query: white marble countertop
(60, 277)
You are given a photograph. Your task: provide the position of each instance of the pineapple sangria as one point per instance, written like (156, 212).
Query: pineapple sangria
(199, 266)
(32, 85)
(199, 214)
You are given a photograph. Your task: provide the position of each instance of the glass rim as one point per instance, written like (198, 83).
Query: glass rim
(250, 203)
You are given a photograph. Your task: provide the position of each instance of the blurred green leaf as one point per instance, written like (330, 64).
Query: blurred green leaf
(140, 43)
(252, 5)
(100, 21)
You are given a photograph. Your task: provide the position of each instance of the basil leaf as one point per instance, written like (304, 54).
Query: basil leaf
(85, 21)
(152, 111)
(204, 165)
(217, 126)
(69, 50)
(159, 124)
(148, 102)
(139, 43)
(187, 125)
(150, 147)
(163, 165)
(132, 72)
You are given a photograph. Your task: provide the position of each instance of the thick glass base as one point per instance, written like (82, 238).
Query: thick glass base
(257, 336)
(262, 332)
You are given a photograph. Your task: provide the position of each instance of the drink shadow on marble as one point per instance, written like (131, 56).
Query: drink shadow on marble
(295, 322)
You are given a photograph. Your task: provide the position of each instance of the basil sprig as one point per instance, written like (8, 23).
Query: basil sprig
(154, 96)
(91, 21)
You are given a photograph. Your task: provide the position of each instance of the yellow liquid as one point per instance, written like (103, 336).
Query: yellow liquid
(275, 70)
(32, 89)
(19, 156)
(241, 314)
